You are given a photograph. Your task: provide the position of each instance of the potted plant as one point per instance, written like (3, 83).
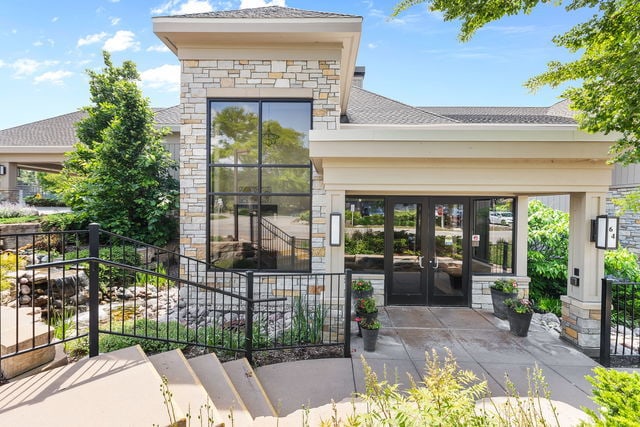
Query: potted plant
(370, 334)
(519, 313)
(500, 291)
(361, 289)
(366, 309)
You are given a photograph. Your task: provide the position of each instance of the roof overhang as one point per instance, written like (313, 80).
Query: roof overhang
(279, 38)
(462, 159)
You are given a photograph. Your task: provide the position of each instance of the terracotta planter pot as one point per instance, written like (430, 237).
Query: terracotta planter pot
(519, 323)
(369, 339)
(497, 298)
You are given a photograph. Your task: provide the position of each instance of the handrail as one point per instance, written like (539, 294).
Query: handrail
(152, 273)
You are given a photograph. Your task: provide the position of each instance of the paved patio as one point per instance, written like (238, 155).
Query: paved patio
(479, 341)
(482, 343)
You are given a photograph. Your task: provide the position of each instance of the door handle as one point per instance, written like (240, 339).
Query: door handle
(434, 263)
(420, 259)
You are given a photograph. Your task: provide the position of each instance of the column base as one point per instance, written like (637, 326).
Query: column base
(580, 324)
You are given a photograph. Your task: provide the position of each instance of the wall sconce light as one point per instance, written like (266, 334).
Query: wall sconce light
(3, 170)
(604, 231)
(335, 229)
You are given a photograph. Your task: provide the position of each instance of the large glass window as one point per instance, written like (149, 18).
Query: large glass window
(364, 234)
(492, 236)
(260, 184)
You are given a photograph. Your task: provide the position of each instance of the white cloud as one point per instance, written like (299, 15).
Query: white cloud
(92, 38)
(158, 48)
(55, 19)
(115, 20)
(2, 63)
(245, 4)
(372, 45)
(26, 66)
(122, 40)
(166, 77)
(53, 77)
(38, 43)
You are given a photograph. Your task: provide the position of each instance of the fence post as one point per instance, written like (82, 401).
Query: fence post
(94, 288)
(248, 334)
(605, 323)
(347, 312)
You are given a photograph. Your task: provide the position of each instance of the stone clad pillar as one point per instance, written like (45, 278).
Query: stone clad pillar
(9, 182)
(581, 305)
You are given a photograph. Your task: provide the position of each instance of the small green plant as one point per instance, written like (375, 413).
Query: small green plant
(307, 325)
(366, 305)
(509, 286)
(549, 305)
(144, 332)
(522, 305)
(361, 285)
(144, 279)
(9, 262)
(372, 325)
(616, 395)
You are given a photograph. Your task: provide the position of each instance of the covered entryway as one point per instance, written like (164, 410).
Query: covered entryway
(425, 251)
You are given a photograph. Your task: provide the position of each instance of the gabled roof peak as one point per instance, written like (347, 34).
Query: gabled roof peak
(267, 12)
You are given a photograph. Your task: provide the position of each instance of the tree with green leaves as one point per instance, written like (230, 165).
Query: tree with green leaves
(119, 174)
(606, 75)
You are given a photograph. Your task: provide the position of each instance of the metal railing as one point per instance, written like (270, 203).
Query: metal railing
(94, 285)
(292, 253)
(620, 319)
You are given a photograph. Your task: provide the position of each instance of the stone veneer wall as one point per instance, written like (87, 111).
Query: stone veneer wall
(204, 79)
(629, 222)
(580, 324)
(481, 292)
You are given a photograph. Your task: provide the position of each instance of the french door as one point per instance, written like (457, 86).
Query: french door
(425, 251)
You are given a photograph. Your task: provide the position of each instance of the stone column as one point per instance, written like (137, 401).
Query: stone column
(9, 182)
(581, 305)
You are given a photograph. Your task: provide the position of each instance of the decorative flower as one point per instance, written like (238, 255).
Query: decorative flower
(361, 285)
(522, 305)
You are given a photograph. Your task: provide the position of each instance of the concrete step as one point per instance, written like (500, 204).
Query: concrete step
(187, 391)
(292, 385)
(330, 414)
(221, 390)
(249, 388)
(21, 331)
(120, 388)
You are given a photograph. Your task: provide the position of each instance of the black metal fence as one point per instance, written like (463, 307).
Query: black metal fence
(93, 285)
(620, 323)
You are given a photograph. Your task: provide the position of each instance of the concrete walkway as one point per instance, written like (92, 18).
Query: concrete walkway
(479, 341)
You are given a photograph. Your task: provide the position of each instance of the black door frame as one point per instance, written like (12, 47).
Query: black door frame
(427, 236)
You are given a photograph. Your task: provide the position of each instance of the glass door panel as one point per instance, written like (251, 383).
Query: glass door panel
(448, 284)
(405, 260)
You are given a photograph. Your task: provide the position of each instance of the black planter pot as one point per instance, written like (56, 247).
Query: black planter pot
(519, 323)
(367, 318)
(369, 339)
(497, 298)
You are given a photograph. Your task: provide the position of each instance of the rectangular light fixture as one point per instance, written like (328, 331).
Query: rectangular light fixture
(604, 231)
(335, 229)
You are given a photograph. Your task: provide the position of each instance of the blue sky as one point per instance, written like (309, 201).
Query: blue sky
(46, 46)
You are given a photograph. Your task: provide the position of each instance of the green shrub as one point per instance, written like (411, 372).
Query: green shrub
(367, 243)
(144, 330)
(617, 395)
(64, 222)
(38, 200)
(113, 276)
(19, 219)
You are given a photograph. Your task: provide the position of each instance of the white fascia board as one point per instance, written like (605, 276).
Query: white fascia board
(460, 132)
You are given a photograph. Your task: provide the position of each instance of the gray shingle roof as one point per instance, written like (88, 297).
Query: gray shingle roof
(556, 114)
(56, 131)
(268, 12)
(370, 108)
(60, 131)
